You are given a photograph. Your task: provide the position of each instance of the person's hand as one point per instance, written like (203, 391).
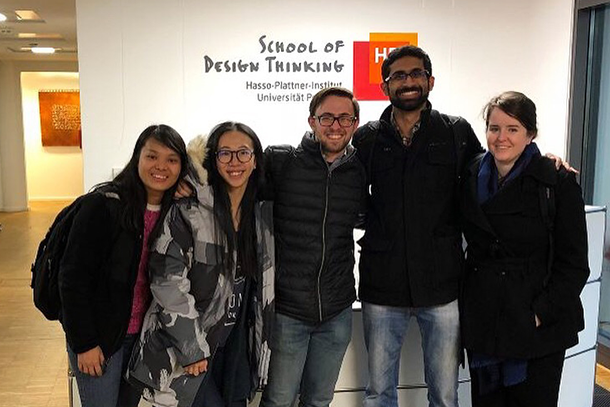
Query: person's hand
(559, 162)
(538, 322)
(91, 362)
(197, 368)
(183, 190)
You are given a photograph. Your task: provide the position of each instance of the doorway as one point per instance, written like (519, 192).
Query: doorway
(53, 173)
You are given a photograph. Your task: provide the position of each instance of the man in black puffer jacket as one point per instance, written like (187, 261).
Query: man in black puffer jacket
(318, 190)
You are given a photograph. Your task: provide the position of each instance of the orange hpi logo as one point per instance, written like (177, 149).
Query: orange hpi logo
(368, 57)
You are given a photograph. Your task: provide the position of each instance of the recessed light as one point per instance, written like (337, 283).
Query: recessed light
(43, 50)
(2, 17)
(44, 36)
(29, 15)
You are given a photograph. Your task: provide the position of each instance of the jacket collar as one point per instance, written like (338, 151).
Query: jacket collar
(197, 175)
(471, 210)
(387, 125)
(386, 116)
(312, 146)
(510, 198)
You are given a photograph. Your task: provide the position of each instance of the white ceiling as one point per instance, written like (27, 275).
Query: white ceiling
(59, 17)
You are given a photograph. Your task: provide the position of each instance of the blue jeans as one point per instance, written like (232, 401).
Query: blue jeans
(384, 332)
(111, 389)
(306, 357)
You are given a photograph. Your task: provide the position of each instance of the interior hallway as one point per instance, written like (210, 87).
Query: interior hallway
(33, 363)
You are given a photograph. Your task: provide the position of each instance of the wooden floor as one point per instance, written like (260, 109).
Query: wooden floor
(33, 363)
(602, 376)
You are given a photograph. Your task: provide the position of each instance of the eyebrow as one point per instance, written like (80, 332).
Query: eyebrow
(340, 114)
(152, 150)
(239, 147)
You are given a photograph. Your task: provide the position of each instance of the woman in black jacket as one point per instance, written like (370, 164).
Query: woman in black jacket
(103, 282)
(526, 265)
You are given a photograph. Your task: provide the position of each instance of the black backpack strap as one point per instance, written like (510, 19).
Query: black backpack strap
(546, 195)
(364, 141)
(460, 140)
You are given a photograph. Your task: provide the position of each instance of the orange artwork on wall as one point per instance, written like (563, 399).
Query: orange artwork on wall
(60, 118)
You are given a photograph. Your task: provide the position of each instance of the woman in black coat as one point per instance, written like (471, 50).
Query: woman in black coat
(103, 279)
(526, 265)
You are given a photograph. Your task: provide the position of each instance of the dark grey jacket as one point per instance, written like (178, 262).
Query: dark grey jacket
(316, 206)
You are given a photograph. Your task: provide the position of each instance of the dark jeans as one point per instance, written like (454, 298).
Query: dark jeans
(111, 389)
(540, 389)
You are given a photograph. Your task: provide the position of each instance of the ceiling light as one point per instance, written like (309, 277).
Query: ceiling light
(45, 36)
(29, 15)
(2, 17)
(43, 50)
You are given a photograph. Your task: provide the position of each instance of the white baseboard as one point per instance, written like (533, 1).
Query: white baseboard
(14, 209)
(52, 198)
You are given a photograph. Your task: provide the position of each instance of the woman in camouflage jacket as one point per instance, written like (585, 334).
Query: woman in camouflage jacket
(196, 272)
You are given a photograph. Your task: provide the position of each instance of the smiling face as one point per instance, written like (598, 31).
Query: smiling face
(506, 139)
(408, 94)
(235, 173)
(335, 138)
(159, 168)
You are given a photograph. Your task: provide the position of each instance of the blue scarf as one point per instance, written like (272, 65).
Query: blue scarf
(487, 180)
(494, 373)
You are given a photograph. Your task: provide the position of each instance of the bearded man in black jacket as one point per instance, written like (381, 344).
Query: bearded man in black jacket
(411, 255)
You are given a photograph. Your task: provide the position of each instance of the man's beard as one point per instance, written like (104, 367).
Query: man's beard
(411, 104)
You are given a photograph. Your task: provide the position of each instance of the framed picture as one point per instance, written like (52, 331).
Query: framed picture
(60, 117)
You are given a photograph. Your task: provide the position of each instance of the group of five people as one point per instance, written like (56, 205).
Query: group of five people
(247, 281)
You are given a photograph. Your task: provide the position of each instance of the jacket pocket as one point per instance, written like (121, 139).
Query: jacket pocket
(480, 303)
(516, 324)
(448, 259)
(378, 270)
(440, 172)
(441, 153)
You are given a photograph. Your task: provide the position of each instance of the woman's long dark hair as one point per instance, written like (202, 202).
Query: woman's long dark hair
(130, 188)
(244, 240)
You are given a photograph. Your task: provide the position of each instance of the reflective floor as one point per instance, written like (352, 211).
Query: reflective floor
(33, 363)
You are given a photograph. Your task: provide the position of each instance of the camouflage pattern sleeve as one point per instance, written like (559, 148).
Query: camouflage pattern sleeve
(169, 265)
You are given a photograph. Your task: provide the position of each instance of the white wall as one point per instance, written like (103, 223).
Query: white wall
(12, 161)
(142, 61)
(52, 173)
(13, 190)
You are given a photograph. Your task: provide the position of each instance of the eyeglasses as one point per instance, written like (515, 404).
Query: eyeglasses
(402, 75)
(226, 156)
(327, 120)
